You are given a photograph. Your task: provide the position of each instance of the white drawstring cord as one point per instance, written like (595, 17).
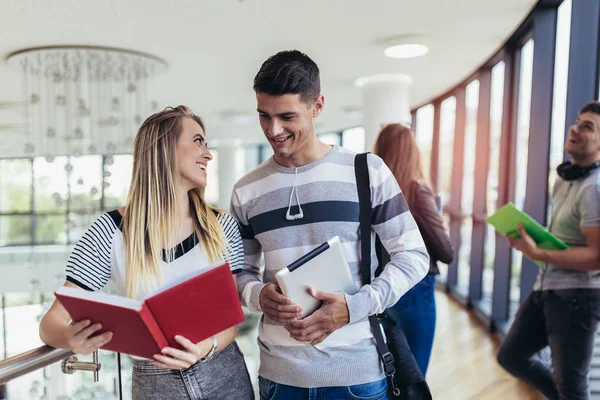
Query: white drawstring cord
(288, 214)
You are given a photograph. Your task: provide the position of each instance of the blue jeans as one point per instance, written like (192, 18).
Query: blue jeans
(566, 320)
(415, 314)
(270, 390)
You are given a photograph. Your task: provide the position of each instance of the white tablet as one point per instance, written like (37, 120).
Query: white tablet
(324, 268)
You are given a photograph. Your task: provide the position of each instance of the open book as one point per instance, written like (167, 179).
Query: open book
(196, 306)
(506, 219)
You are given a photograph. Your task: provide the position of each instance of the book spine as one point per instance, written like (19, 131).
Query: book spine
(153, 327)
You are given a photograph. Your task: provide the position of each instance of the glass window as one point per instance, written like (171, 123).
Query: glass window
(354, 139)
(29, 386)
(424, 135)
(447, 126)
(15, 180)
(559, 101)
(22, 310)
(85, 176)
(211, 194)
(15, 230)
(493, 179)
(78, 223)
(117, 178)
(3, 355)
(468, 186)
(50, 229)
(51, 183)
(23, 313)
(331, 138)
(523, 117)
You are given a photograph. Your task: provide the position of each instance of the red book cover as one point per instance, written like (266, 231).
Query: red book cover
(134, 329)
(199, 307)
(196, 308)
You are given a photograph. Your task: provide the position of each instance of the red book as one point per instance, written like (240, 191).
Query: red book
(196, 307)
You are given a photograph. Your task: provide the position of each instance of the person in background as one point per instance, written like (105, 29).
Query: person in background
(166, 230)
(563, 309)
(415, 312)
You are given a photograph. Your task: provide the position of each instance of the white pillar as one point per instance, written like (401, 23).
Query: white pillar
(385, 99)
(232, 166)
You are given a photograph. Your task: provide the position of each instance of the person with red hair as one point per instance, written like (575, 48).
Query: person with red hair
(415, 312)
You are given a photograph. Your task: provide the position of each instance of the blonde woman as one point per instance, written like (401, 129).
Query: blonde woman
(166, 229)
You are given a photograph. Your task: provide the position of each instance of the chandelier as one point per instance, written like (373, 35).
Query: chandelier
(84, 99)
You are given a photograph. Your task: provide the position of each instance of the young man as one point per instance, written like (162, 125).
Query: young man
(564, 308)
(298, 199)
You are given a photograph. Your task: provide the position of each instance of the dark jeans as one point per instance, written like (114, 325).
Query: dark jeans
(415, 313)
(270, 390)
(566, 320)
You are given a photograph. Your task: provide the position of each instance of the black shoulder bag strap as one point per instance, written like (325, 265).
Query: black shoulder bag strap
(363, 184)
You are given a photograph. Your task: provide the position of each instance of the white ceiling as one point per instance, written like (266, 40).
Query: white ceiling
(215, 47)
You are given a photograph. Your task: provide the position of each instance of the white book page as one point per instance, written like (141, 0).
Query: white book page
(100, 297)
(184, 277)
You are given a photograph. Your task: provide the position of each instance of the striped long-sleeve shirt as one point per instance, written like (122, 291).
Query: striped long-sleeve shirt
(328, 196)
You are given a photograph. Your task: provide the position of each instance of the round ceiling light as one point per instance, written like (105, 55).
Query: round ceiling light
(409, 50)
(382, 78)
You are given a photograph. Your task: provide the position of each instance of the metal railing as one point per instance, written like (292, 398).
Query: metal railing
(29, 361)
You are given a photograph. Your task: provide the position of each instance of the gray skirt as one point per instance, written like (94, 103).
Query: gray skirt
(225, 376)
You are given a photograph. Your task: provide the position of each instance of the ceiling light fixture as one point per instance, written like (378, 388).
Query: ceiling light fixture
(409, 50)
(403, 46)
(84, 99)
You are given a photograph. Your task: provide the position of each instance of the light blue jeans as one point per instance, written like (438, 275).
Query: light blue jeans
(223, 377)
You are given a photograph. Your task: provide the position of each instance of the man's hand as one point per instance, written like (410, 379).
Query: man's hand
(332, 315)
(525, 244)
(277, 306)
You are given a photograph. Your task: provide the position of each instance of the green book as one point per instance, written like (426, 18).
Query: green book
(506, 219)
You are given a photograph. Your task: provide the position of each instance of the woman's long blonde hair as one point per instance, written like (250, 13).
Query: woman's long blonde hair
(397, 146)
(152, 215)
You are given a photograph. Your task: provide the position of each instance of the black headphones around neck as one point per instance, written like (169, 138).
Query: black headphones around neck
(569, 171)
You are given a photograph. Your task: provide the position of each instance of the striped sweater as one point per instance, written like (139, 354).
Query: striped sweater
(328, 196)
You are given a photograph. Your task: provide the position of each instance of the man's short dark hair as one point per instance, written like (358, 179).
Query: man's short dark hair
(593, 107)
(289, 72)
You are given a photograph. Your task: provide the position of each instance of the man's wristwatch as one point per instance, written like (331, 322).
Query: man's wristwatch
(212, 351)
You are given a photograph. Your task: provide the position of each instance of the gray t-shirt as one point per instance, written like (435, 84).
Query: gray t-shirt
(576, 204)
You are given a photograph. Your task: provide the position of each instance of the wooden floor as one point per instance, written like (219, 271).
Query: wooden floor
(463, 364)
